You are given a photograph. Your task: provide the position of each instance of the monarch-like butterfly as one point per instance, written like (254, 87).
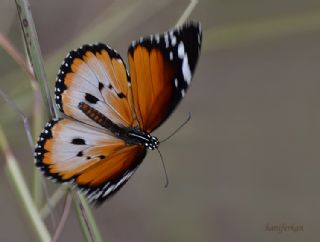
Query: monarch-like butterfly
(110, 114)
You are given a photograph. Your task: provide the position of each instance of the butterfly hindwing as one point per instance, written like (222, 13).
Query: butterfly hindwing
(96, 75)
(161, 69)
(89, 158)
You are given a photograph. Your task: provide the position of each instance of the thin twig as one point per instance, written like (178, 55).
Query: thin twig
(187, 12)
(53, 201)
(12, 51)
(90, 228)
(86, 230)
(64, 217)
(34, 52)
(22, 190)
(90, 218)
(22, 116)
(85, 218)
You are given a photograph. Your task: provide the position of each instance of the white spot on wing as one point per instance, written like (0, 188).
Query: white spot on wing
(166, 39)
(181, 50)
(185, 63)
(173, 41)
(173, 38)
(186, 69)
(157, 38)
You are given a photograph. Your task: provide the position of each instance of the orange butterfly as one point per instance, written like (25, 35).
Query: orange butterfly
(111, 114)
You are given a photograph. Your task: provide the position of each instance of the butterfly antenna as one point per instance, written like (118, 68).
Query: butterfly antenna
(174, 132)
(165, 170)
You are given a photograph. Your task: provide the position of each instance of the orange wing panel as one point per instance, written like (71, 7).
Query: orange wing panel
(111, 167)
(151, 78)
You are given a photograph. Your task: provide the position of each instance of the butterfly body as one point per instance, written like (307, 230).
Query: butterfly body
(129, 135)
(111, 114)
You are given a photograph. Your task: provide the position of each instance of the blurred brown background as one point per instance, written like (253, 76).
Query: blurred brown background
(250, 154)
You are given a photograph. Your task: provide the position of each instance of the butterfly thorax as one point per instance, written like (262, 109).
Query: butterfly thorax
(137, 136)
(129, 135)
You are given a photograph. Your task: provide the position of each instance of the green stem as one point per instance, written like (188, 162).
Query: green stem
(34, 52)
(37, 114)
(14, 172)
(88, 215)
(187, 12)
(53, 201)
(86, 230)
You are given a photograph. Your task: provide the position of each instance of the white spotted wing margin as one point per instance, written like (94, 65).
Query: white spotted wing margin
(87, 158)
(180, 48)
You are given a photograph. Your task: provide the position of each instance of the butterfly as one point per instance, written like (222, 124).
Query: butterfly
(110, 114)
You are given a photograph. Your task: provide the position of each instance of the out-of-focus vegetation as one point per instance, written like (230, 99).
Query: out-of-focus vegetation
(248, 157)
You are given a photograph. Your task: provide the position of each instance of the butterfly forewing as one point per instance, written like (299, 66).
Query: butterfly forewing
(96, 75)
(89, 158)
(161, 69)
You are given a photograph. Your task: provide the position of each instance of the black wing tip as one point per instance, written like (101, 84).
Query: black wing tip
(180, 46)
(191, 27)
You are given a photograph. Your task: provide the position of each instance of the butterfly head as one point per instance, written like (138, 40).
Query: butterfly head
(152, 143)
(137, 136)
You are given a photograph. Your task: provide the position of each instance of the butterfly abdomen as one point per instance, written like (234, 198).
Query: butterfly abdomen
(100, 119)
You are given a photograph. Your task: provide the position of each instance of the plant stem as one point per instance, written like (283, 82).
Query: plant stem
(64, 217)
(187, 12)
(22, 190)
(37, 118)
(88, 216)
(53, 200)
(86, 230)
(34, 52)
